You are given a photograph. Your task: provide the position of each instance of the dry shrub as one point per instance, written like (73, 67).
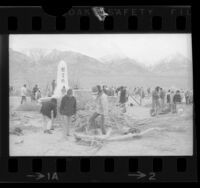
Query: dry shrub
(83, 97)
(114, 119)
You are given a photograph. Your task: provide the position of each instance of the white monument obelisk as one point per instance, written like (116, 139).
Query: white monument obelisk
(62, 79)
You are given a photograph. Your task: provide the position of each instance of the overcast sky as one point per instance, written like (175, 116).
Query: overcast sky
(146, 48)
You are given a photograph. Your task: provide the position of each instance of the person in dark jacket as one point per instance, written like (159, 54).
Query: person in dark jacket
(68, 109)
(176, 100)
(123, 98)
(34, 91)
(49, 112)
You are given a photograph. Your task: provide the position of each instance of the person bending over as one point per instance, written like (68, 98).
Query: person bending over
(49, 112)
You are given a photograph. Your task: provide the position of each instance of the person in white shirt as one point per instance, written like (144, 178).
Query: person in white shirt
(23, 93)
(101, 109)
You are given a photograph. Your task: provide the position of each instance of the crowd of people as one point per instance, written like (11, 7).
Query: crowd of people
(162, 100)
(35, 94)
(167, 101)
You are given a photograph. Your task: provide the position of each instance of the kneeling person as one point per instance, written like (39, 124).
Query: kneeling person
(49, 112)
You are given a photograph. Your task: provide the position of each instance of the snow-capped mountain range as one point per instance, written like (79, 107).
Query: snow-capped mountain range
(40, 66)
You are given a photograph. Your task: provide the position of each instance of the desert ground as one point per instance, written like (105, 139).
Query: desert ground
(168, 134)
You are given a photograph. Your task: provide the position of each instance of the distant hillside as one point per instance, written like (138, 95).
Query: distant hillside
(85, 71)
(176, 64)
(177, 68)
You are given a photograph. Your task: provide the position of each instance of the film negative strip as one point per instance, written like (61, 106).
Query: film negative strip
(97, 94)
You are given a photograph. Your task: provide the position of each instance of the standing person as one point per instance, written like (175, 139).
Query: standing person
(34, 91)
(176, 100)
(162, 98)
(105, 90)
(190, 97)
(168, 98)
(148, 92)
(182, 96)
(187, 96)
(123, 98)
(101, 109)
(138, 91)
(117, 91)
(172, 104)
(32, 96)
(63, 91)
(141, 94)
(53, 85)
(38, 95)
(23, 93)
(134, 91)
(112, 91)
(68, 109)
(49, 93)
(49, 112)
(155, 100)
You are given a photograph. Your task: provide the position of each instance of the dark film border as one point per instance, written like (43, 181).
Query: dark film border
(139, 19)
